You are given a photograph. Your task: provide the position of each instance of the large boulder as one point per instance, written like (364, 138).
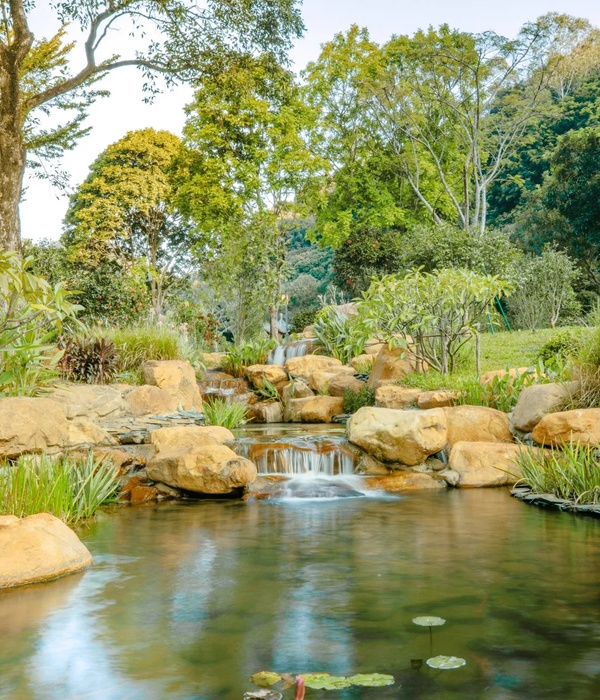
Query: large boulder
(345, 382)
(150, 400)
(38, 548)
(31, 425)
(437, 399)
(477, 424)
(581, 425)
(391, 365)
(177, 377)
(84, 433)
(302, 367)
(319, 381)
(189, 437)
(93, 401)
(480, 464)
(316, 409)
(408, 437)
(257, 374)
(268, 412)
(394, 396)
(538, 400)
(295, 390)
(210, 470)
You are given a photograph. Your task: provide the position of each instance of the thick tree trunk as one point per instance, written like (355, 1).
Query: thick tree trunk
(273, 323)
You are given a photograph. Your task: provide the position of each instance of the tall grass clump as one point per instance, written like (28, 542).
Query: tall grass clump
(353, 400)
(70, 488)
(229, 414)
(572, 473)
(255, 352)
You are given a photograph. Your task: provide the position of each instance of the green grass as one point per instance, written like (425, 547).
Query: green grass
(229, 414)
(71, 489)
(353, 400)
(572, 473)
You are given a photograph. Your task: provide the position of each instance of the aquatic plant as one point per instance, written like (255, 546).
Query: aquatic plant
(229, 414)
(446, 663)
(69, 487)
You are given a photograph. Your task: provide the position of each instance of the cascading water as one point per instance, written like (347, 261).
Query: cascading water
(281, 353)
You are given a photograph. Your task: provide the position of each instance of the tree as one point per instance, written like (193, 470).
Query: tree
(178, 39)
(245, 162)
(123, 212)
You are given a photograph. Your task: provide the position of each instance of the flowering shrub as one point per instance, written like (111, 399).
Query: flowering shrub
(203, 329)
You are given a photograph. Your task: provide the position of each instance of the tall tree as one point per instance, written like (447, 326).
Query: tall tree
(245, 163)
(178, 39)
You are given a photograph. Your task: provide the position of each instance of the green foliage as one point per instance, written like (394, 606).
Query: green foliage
(32, 314)
(68, 487)
(502, 393)
(353, 400)
(255, 352)
(303, 318)
(571, 473)
(229, 414)
(268, 391)
(565, 344)
(339, 334)
(89, 360)
(433, 314)
(203, 328)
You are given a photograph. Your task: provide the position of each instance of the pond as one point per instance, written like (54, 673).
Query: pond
(187, 600)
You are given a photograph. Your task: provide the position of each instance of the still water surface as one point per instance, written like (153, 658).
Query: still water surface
(186, 601)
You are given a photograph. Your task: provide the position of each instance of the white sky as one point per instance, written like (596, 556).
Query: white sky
(43, 207)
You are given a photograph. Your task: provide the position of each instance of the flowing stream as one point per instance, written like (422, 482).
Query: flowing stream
(187, 600)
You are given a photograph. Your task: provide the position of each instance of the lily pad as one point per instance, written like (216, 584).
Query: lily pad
(429, 621)
(446, 662)
(263, 694)
(265, 679)
(371, 680)
(323, 681)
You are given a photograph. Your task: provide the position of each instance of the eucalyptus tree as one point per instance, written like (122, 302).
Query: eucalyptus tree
(245, 162)
(180, 40)
(123, 212)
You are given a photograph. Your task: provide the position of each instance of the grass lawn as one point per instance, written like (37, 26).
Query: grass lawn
(515, 348)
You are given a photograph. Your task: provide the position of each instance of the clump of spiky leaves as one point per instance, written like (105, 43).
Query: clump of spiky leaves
(136, 344)
(90, 360)
(229, 414)
(268, 391)
(571, 473)
(255, 352)
(69, 487)
(353, 400)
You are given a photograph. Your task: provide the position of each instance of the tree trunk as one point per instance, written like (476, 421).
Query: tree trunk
(273, 322)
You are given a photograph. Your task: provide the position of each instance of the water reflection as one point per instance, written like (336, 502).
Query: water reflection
(186, 601)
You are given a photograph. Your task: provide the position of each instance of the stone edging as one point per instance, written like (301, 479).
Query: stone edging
(547, 500)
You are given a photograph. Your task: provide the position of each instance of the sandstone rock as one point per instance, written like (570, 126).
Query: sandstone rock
(538, 400)
(408, 437)
(364, 362)
(477, 424)
(91, 401)
(373, 346)
(213, 360)
(437, 399)
(309, 332)
(38, 548)
(31, 425)
(404, 481)
(211, 470)
(342, 382)
(392, 365)
(481, 464)
(317, 409)
(394, 396)
(268, 412)
(178, 378)
(319, 381)
(150, 400)
(295, 390)
(581, 425)
(513, 373)
(257, 374)
(85, 433)
(189, 437)
(303, 367)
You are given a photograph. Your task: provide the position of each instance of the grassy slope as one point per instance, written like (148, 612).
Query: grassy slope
(514, 349)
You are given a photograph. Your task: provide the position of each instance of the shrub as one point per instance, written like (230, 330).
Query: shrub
(255, 352)
(303, 318)
(69, 488)
(229, 414)
(90, 360)
(564, 344)
(572, 473)
(204, 330)
(353, 400)
(340, 334)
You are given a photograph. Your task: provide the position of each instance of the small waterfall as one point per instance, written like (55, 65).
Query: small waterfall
(281, 353)
(297, 456)
(222, 386)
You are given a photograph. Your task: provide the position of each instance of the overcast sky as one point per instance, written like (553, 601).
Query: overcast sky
(43, 207)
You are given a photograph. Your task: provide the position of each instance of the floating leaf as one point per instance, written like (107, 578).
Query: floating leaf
(323, 681)
(446, 662)
(265, 679)
(429, 621)
(263, 694)
(371, 680)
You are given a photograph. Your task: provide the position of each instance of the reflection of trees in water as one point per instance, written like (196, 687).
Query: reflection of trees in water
(198, 597)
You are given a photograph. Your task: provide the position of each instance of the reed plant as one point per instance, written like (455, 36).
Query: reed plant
(571, 473)
(70, 488)
(229, 414)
